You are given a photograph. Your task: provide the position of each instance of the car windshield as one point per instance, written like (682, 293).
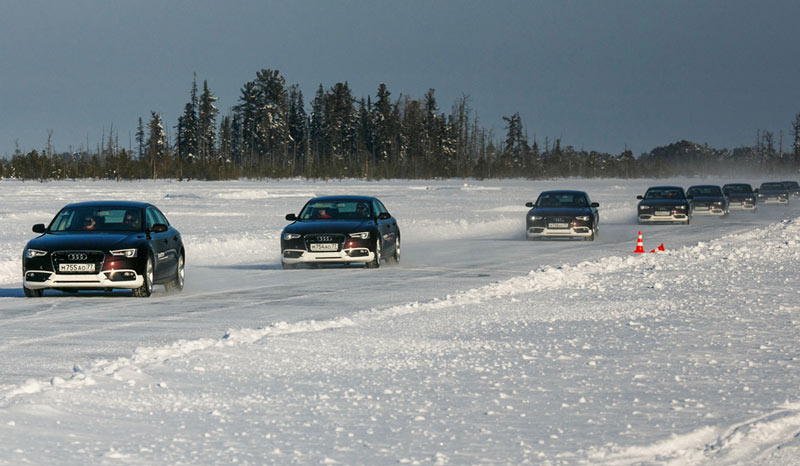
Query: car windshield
(561, 200)
(772, 187)
(737, 188)
(664, 193)
(704, 191)
(791, 184)
(97, 219)
(337, 209)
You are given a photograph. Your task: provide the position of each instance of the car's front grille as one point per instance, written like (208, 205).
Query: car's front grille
(78, 257)
(324, 238)
(558, 219)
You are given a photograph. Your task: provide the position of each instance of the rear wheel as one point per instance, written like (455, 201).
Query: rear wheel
(146, 289)
(32, 293)
(376, 262)
(396, 255)
(176, 285)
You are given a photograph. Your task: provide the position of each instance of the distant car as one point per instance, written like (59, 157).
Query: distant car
(664, 204)
(740, 197)
(773, 193)
(341, 230)
(793, 187)
(104, 246)
(560, 214)
(707, 199)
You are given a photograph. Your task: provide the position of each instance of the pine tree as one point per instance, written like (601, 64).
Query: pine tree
(139, 138)
(156, 143)
(796, 144)
(206, 123)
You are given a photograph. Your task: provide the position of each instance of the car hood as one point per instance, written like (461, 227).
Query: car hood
(329, 226)
(741, 195)
(88, 241)
(560, 211)
(772, 192)
(707, 199)
(663, 202)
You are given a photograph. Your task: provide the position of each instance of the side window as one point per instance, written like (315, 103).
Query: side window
(160, 218)
(379, 208)
(151, 218)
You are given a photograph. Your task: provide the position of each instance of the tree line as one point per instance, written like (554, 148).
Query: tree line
(270, 134)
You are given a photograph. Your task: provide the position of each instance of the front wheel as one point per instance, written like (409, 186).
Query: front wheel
(396, 256)
(146, 289)
(176, 285)
(376, 262)
(32, 293)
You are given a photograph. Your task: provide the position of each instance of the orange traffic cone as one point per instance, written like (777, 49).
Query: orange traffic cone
(639, 244)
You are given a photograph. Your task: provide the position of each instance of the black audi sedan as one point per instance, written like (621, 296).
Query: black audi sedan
(793, 187)
(740, 197)
(104, 246)
(773, 193)
(664, 204)
(707, 199)
(340, 230)
(562, 214)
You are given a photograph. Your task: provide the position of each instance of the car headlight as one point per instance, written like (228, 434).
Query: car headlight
(718, 203)
(645, 207)
(680, 207)
(536, 217)
(290, 236)
(31, 253)
(129, 253)
(360, 235)
(584, 218)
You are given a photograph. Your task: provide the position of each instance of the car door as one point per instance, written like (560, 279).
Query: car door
(165, 260)
(386, 226)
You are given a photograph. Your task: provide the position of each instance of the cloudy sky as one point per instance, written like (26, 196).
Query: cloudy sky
(600, 75)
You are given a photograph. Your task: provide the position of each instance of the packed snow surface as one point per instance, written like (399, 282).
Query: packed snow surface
(480, 347)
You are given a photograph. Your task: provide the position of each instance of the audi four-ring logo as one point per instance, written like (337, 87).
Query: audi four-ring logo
(75, 256)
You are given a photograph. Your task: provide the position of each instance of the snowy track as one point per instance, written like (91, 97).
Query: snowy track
(479, 347)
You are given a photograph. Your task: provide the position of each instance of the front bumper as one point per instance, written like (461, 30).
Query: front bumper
(544, 232)
(121, 279)
(773, 200)
(710, 210)
(751, 206)
(345, 256)
(672, 217)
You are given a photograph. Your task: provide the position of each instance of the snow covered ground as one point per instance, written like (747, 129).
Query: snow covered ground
(479, 347)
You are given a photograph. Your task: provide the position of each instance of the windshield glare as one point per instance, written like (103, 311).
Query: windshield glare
(664, 193)
(337, 210)
(704, 191)
(561, 200)
(97, 219)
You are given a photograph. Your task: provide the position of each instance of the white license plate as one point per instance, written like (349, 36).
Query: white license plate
(324, 247)
(558, 225)
(76, 268)
(662, 213)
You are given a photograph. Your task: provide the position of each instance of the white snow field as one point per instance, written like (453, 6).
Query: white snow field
(480, 347)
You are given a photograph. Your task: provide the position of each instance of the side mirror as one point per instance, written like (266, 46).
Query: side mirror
(39, 228)
(384, 216)
(291, 217)
(529, 204)
(640, 197)
(159, 228)
(595, 204)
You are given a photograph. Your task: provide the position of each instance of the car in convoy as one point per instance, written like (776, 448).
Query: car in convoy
(707, 199)
(773, 193)
(664, 204)
(340, 230)
(740, 197)
(793, 187)
(562, 214)
(104, 246)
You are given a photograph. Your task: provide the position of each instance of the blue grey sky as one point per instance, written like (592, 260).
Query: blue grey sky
(600, 75)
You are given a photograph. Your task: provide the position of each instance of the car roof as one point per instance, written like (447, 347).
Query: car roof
(563, 191)
(665, 187)
(737, 184)
(342, 198)
(127, 204)
(704, 186)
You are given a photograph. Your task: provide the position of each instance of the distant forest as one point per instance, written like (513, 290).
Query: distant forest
(271, 134)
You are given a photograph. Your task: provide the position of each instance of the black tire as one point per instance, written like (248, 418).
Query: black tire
(176, 285)
(395, 257)
(376, 262)
(32, 293)
(146, 289)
